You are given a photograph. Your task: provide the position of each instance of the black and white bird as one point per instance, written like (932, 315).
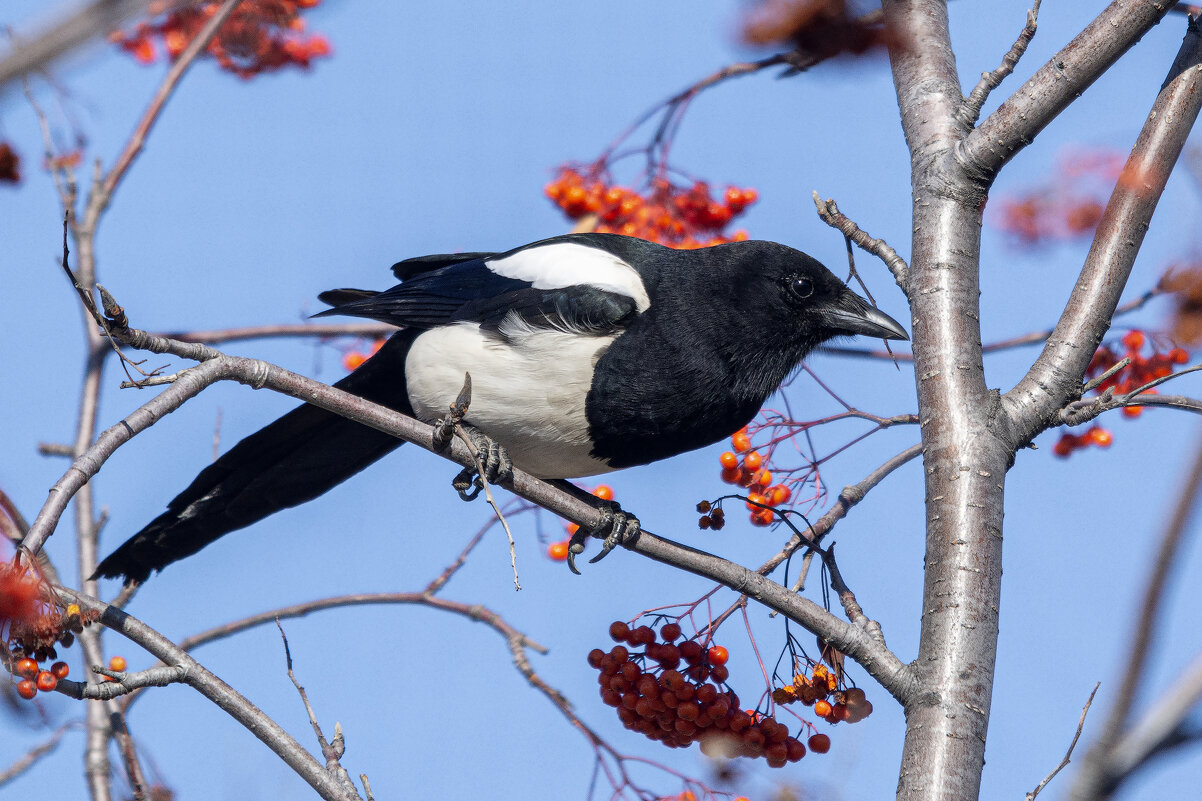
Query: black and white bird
(587, 353)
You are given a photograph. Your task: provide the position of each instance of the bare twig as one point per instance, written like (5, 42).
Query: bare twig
(332, 751)
(830, 214)
(1068, 754)
(970, 110)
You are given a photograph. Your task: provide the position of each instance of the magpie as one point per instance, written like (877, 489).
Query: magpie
(587, 353)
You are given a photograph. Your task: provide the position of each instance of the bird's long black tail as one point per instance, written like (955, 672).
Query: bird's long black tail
(298, 457)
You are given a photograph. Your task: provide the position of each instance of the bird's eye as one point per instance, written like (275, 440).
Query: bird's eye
(799, 286)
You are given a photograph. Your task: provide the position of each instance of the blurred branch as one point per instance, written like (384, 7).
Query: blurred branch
(1102, 773)
(69, 33)
(30, 758)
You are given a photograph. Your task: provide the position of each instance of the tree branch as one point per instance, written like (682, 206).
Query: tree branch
(1056, 84)
(1056, 374)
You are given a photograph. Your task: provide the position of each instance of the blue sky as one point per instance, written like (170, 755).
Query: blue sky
(433, 128)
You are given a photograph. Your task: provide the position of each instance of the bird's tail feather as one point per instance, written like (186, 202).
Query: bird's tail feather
(295, 459)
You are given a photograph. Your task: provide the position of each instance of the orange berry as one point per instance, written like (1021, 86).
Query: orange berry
(718, 655)
(780, 494)
(753, 461)
(1065, 445)
(117, 663)
(27, 689)
(755, 500)
(1101, 437)
(740, 441)
(821, 709)
(572, 528)
(1132, 411)
(763, 478)
(60, 670)
(728, 460)
(750, 196)
(604, 492)
(1178, 356)
(558, 551)
(26, 667)
(731, 475)
(762, 517)
(46, 681)
(1133, 340)
(353, 360)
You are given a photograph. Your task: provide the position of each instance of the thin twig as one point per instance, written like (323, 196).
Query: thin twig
(30, 758)
(970, 110)
(830, 214)
(1068, 755)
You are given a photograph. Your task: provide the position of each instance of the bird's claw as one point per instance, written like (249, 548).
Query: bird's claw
(616, 527)
(494, 459)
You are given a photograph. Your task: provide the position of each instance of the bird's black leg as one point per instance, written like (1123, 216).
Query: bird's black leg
(494, 459)
(617, 527)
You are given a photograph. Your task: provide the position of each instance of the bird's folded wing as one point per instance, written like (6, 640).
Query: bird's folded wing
(471, 292)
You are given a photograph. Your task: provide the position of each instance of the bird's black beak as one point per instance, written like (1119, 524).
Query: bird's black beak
(852, 315)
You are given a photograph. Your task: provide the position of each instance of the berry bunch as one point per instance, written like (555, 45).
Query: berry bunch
(677, 216)
(746, 467)
(558, 551)
(31, 627)
(260, 35)
(1068, 207)
(673, 693)
(1141, 370)
(821, 691)
(351, 360)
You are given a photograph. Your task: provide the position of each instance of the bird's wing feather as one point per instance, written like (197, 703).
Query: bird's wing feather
(567, 287)
(408, 268)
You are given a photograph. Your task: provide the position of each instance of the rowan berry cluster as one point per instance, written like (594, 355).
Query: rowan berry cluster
(31, 627)
(1140, 371)
(821, 691)
(746, 468)
(558, 551)
(673, 693)
(677, 216)
(259, 36)
(1068, 207)
(352, 360)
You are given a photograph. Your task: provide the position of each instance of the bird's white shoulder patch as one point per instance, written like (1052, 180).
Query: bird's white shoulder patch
(564, 264)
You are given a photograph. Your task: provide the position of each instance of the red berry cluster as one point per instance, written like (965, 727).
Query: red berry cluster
(681, 706)
(260, 35)
(821, 691)
(1069, 207)
(351, 360)
(677, 216)
(558, 551)
(1141, 370)
(32, 627)
(745, 467)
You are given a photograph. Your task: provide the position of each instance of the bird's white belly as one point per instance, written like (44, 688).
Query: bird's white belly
(528, 392)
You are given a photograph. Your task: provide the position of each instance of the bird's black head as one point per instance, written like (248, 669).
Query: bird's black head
(796, 298)
(780, 304)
